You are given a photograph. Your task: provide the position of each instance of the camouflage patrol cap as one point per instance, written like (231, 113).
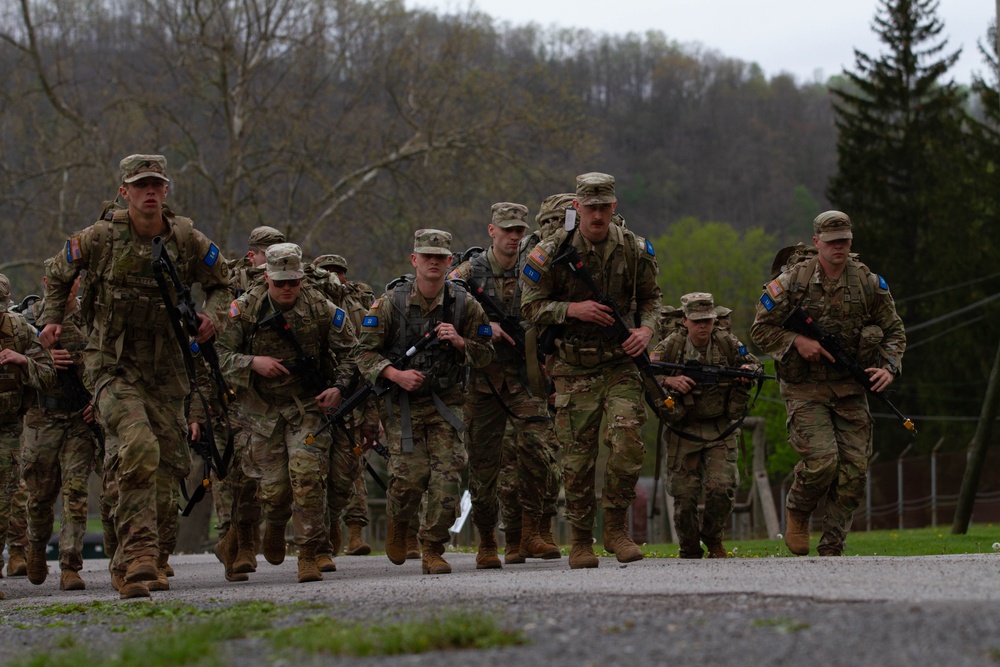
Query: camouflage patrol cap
(331, 263)
(553, 208)
(698, 306)
(431, 242)
(264, 236)
(284, 262)
(595, 188)
(832, 226)
(508, 214)
(136, 167)
(4, 293)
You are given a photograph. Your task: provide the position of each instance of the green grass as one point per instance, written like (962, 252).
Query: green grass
(909, 542)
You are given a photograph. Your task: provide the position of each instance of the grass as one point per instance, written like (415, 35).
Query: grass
(909, 542)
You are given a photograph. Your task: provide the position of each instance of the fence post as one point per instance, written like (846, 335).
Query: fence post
(868, 493)
(934, 506)
(899, 484)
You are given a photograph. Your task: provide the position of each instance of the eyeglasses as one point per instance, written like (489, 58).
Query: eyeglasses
(291, 282)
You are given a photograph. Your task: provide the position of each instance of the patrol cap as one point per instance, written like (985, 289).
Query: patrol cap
(4, 293)
(284, 261)
(554, 207)
(331, 262)
(831, 226)
(431, 242)
(698, 306)
(595, 188)
(264, 236)
(136, 167)
(508, 214)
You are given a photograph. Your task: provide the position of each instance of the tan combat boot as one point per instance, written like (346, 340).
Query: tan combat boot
(162, 564)
(717, 550)
(245, 560)
(324, 563)
(37, 568)
(412, 543)
(142, 568)
(433, 560)
(486, 557)
(582, 553)
(161, 583)
(336, 539)
(307, 565)
(17, 566)
(512, 547)
(545, 532)
(357, 546)
(274, 543)
(226, 551)
(133, 589)
(532, 544)
(69, 580)
(616, 538)
(797, 531)
(395, 541)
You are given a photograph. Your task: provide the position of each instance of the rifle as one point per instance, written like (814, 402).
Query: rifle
(305, 365)
(801, 323)
(509, 323)
(707, 374)
(184, 321)
(84, 397)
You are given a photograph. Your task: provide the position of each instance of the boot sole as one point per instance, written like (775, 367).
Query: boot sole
(245, 567)
(584, 566)
(629, 559)
(309, 578)
(135, 589)
(363, 550)
(75, 586)
(145, 573)
(490, 565)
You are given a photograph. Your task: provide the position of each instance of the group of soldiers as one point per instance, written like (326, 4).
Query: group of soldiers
(515, 364)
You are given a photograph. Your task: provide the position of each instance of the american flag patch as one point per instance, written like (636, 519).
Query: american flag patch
(234, 309)
(376, 302)
(73, 251)
(538, 256)
(454, 275)
(655, 355)
(774, 288)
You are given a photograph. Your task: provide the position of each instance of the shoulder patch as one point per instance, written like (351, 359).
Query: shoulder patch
(775, 289)
(194, 347)
(234, 309)
(882, 283)
(649, 249)
(338, 317)
(538, 256)
(454, 275)
(656, 355)
(485, 330)
(375, 303)
(73, 251)
(531, 273)
(212, 256)
(370, 321)
(767, 301)
(742, 349)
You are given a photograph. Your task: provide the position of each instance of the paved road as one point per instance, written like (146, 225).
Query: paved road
(935, 610)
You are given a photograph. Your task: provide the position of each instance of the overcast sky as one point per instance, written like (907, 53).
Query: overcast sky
(804, 37)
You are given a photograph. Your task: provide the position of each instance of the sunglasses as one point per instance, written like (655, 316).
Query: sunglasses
(291, 282)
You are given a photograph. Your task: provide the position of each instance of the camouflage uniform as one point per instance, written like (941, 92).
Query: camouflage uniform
(594, 378)
(58, 451)
(136, 363)
(291, 472)
(706, 412)
(829, 423)
(433, 456)
(18, 335)
(499, 388)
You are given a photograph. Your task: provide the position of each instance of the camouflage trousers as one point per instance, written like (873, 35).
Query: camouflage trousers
(291, 476)
(831, 429)
(356, 511)
(612, 392)
(147, 450)
(235, 497)
(57, 455)
(435, 465)
(534, 453)
(17, 527)
(694, 467)
(10, 473)
(344, 467)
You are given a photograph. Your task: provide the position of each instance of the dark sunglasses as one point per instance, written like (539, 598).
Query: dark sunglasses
(291, 282)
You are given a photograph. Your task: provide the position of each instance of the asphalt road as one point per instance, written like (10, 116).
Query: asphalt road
(934, 610)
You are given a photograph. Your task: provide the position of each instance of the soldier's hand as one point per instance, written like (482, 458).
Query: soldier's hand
(88, 414)
(499, 334)
(636, 344)
(447, 333)
(206, 329)
(194, 432)
(880, 379)
(408, 380)
(590, 311)
(50, 335)
(62, 359)
(8, 356)
(681, 383)
(330, 399)
(268, 367)
(811, 350)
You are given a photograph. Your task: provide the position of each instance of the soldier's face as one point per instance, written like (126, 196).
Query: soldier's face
(283, 292)
(505, 241)
(699, 331)
(146, 195)
(430, 267)
(595, 219)
(833, 253)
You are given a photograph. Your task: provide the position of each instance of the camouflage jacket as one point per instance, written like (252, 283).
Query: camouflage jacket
(16, 334)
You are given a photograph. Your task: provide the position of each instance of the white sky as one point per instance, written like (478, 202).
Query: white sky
(804, 37)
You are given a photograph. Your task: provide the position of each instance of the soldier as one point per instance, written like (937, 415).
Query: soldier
(702, 448)
(829, 423)
(425, 427)
(357, 299)
(498, 394)
(247, 270)
(135, 361)
(594, 374)
(285, 344)
(23, 364)
(59, 449)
